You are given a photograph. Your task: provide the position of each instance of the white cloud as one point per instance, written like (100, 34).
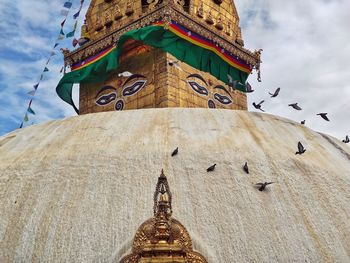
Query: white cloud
(306, 54)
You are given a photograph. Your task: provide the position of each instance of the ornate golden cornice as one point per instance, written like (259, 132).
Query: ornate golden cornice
(166, 11)
(162, 238)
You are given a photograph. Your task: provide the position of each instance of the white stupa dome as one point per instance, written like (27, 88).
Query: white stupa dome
(76, 190)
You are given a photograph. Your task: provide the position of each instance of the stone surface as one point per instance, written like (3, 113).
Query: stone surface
(76, 190)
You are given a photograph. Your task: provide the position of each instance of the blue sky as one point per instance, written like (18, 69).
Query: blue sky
(305, 53)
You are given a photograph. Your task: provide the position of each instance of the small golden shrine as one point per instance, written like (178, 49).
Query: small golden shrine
(172, 53)
(162, 238)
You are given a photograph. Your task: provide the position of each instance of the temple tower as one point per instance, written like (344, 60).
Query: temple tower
(196, 58)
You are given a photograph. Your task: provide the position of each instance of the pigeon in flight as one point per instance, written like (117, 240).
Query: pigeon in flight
(245, 168)
(275, 94)
(263, 185)
(175, 63)
(232, 83)
(175, 152)
(303, 122)
(258, 106)
(211, 168)
(295, 106)
(301, 149)
(125, 74)
(347, 140)
(324, 116)
(248, 88)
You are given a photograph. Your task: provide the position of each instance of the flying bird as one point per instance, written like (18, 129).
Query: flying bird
(248, 88)
(324, 116)
(275, 94)
(301, 149)
(125, 74)
(258, 106)
(302, 122)
(245, 168)
(232, 83)
(175, 152)
(174, 63)
(211, 168)
(347, 140)
(295, 106)
(263, 185)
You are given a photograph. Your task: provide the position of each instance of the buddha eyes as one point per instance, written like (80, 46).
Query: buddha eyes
(198, 88)
(222, 99)
(134, 88)
(106, 99)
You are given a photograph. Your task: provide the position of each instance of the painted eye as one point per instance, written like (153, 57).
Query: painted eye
(134, 88)
(198, 88)
(211, 104)
(222, 99)
(119, 105)
(106, 99)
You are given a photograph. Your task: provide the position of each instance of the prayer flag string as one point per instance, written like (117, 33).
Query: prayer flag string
(64, 12)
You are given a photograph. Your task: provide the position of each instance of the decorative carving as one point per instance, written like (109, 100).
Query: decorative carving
(165, 11)
(129, 8)
(163, 238)
(99, 25)
(228, 29)
(108, 19)
(200, 11)
(117, 13)
(218, 24)
(152, 4)
(209, 18)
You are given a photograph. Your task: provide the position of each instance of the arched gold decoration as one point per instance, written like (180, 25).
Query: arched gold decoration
(163, 238)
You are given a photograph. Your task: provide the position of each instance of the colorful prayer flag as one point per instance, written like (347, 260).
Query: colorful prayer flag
(61, 70)
(46, 69)
(26, 119)
(70, 34)
(76, 15)
(36, 86)
(56, 44)
(75, 42)
(64, 21)
(60, 37)
(30, 110)
(64, 12)
(21, 126)
(31, 93)
(67, 4)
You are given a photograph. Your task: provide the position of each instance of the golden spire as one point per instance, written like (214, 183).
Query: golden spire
(162, 238)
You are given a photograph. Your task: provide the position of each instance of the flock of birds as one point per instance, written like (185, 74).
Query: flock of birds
(295, 106)
(261, 186)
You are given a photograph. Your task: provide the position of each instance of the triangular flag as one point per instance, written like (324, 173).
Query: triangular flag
(60, 37)
(75, 25)
(46, 69)
(61, 70)
(67, 5)
(76, 15)
(64, 12)
(70, 34)
(31, 93)
(21, 126)
(61, 32)
(36, 86)
(75, 42)
(26, 119)
(30, 110)
(62, 24)
(56, 44)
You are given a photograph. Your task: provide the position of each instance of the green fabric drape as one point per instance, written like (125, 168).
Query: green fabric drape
(158, 37)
